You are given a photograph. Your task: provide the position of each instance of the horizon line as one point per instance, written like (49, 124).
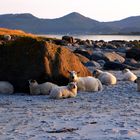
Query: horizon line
(66, 15)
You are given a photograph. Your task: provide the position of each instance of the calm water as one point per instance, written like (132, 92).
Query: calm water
(101, 37)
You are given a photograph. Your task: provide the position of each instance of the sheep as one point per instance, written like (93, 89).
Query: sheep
(61, 92)
(87, 84)
(128, 75)
(6, 87)
(7, 37)
(43, 89)
(106, 78)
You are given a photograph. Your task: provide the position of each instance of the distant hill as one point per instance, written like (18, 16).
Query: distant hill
(73, 23)
(127, 25)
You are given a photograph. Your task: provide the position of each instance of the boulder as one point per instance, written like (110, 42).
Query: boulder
(84, 52)
(29, 58)
(117, 66)
(93, 64)
(98, 56)
(133, 53)
(82, 58)
(112, 56)
(132, 62)
(69, 39)
(107, 56)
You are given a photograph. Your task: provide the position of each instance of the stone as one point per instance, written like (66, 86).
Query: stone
(133, 53)
(69, 39)
(112, 56)
(93, 64)
(84, 52)
(82, 58)
(117, 66)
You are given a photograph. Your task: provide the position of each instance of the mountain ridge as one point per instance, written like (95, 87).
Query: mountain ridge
(73, 23)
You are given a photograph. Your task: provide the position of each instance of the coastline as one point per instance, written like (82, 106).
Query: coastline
(107, 115)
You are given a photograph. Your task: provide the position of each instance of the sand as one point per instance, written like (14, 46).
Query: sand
(112, 114)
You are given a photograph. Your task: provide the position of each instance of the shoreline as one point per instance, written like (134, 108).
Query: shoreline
(107, 115)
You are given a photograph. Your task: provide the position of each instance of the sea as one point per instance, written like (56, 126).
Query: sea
(100, 37)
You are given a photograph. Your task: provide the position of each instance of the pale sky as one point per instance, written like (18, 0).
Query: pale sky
(101, 10)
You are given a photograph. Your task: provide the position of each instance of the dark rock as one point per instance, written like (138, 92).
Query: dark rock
(132, 62)
(133, 53)
(117, 66)
(92, 64)
(86, 53)
(98, 56)
(83, 42)
(109, 46)
(60, 42)
(82, 58)
(69, 39)
(101, 62)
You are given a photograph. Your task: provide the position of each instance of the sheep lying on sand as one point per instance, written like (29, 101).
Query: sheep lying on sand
(128, 75)
(6, 87)
(88, 83)
(64, 91)
(43, 89)
(106, 78)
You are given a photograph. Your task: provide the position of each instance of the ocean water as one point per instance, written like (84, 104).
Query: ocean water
(101, 37)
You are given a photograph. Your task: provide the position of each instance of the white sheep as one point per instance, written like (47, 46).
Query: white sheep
(128, 75)
(6, 87)
(106, 78)
(43, 89)
(7, 37)
(64, 91)
(88, 83)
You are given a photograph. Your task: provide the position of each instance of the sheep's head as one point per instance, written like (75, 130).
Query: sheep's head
(72, 86)
(73, 76)
(125, 70)
(96, 73)
(33, 82)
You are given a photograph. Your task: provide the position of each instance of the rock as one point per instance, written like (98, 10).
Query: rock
(101, 62)
(107, 56)
(60, 42)
(110, 46)
(98, 56)
(132, 62)
(89, 42)
(69, 39)
(30, 58)
(133, 53)
(117, 66)
(86, 53)
(93, 64)
(119, 43)
(82, 58)
(112, 56)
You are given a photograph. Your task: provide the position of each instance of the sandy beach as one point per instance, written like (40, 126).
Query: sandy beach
(112, 114)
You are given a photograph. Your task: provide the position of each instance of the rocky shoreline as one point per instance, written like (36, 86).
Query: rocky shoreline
(111, 114)
(27, 56)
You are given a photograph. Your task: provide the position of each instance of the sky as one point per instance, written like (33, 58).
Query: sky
(101, 10)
